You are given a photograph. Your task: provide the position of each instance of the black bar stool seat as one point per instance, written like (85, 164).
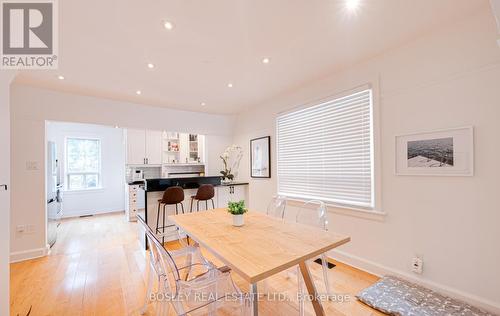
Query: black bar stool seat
(205, 192)
(171, 196)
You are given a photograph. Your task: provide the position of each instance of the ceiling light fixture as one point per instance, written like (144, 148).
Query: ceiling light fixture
(138, 92)
(168, 25)
(203, 104)
(60, 77)
(352, 5)
(230, 85)
(151, 66)
(265, 60)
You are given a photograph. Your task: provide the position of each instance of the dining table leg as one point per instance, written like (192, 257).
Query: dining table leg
(311, 289)
(254, 299)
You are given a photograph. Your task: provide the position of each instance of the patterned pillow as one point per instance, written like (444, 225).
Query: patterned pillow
(395, 296)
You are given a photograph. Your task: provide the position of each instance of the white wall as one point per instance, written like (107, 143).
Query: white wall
(449, 78)
(111, 197)
(31, 107)
(5, 79)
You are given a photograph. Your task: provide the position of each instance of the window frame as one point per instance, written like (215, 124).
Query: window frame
(375, 210)
(84, 174)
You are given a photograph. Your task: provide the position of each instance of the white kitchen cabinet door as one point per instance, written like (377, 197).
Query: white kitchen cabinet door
(201, 148)
(239, 192)
(223, 196)
(153, 147)
(232, 193)
(136, 146)
(183, 148)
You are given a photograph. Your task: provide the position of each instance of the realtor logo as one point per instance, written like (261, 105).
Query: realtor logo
(29, 38)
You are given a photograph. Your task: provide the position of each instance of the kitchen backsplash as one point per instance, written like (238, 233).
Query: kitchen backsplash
(148, 172)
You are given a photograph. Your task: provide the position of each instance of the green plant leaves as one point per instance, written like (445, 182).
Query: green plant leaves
(236, 208)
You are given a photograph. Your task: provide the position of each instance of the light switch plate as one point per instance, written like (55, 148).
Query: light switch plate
(31, 165)
(30, 229)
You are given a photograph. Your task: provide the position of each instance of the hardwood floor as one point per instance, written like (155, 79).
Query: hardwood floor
(98, 268)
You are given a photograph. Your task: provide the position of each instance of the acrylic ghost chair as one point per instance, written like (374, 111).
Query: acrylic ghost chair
(212, 290)
(276, 207)
(190, 253)
(313, 213)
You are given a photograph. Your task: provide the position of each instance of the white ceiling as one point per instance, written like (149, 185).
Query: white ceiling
(106, 44)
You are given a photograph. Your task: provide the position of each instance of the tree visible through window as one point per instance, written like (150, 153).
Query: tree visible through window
(83, 163)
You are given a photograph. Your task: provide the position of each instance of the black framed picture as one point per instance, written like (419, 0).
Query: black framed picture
(260, 157)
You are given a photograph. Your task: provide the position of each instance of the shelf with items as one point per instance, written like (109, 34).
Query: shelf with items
(193, 148)
(170, 136)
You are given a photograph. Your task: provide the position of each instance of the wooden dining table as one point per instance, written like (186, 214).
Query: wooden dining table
(264, 246)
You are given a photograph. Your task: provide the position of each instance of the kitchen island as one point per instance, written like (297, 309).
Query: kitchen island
(154, 188)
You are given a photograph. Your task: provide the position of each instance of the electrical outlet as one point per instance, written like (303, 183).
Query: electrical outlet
(417, 265)
(21, 228)
(31, 165)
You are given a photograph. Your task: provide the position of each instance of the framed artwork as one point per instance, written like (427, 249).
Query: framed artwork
(260, 157)
(439, 153)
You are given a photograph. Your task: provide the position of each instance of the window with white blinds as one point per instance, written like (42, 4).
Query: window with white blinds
(325, 151)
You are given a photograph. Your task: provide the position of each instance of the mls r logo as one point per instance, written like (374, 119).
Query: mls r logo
(27, 28)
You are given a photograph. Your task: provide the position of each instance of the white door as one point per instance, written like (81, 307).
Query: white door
(136, 146)
(4, 193)
(153, 147)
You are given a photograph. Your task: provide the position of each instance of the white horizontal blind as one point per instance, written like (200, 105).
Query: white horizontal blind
(325, 151)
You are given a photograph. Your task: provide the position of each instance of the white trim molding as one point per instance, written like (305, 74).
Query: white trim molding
(495, 7)
(380, 270)
(29, 254)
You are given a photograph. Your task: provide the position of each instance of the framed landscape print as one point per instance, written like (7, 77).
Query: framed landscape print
(439, 153)
(260, 157)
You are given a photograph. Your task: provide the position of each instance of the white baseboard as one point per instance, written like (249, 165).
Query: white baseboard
(29, 254)
(380, 270)
(87, 213)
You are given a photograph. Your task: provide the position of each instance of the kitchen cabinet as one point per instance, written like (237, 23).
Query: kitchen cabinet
(183, 148)
(136, 146)
(153, 147)
(144, 147)
(134, 201)
(231, 193)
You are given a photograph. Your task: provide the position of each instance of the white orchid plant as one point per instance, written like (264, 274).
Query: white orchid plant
(231, 158)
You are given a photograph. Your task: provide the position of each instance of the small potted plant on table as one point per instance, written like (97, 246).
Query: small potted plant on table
(237, 209)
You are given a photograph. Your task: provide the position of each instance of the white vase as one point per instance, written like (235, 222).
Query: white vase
(238, 220)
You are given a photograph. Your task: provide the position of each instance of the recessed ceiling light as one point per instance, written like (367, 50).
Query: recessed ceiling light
(116, 126)
(151, 66)
(138, 92)
(60, 77)
(168, 25)
(230, 85)
(352, 5)
(265, 61)
(203, 104)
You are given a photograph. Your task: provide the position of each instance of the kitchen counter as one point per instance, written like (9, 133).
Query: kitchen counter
(161, 184)
(154, 189)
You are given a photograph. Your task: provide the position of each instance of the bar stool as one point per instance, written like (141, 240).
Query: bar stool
(171, 196)
(205, 192)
